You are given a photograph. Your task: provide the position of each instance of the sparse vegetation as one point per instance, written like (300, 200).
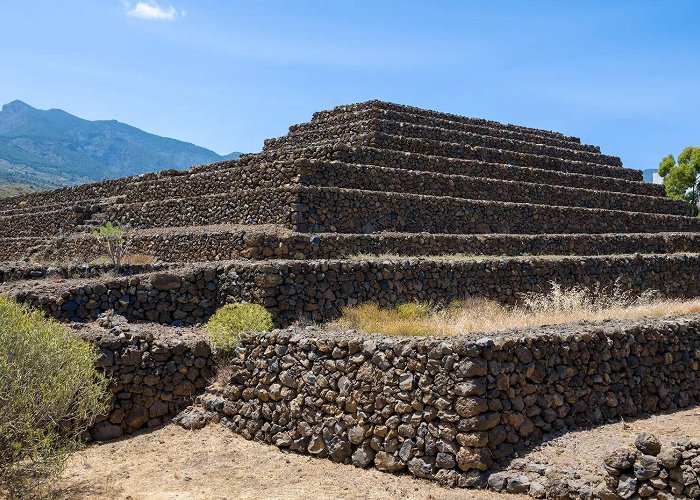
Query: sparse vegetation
(225, 327)
(558, 305)
(113, 238)
(50, 392)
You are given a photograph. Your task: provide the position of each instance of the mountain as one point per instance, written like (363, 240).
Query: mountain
(43, 149)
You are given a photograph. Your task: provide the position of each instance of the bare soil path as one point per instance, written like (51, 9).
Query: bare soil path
(213, 463)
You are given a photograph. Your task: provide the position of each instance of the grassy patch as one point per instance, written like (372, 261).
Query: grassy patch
(558, 305)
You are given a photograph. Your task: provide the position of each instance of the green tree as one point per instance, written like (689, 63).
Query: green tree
(682, 177)
(113, 238)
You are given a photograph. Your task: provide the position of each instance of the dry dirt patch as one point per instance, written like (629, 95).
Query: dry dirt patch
(214, 463)
(583, 451)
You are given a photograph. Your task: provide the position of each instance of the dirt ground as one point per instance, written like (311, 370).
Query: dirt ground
(583, 451)
(213, 463)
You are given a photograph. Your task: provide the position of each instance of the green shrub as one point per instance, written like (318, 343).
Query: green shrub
(411, 310)
(225, 327)
(50, 392)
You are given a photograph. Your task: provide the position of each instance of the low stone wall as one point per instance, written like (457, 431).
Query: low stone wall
(431, 147)
(184, 297)
(340, 112)
(319, 289)
(652, 470)
(445, 132)
(367, 155)
(326, 209)
(375, 178)
(24, 271)
(46, 224)
(252, 206)
(76, 194)
(219, 243)
(449, 408)
(433, 121)
(154, 373)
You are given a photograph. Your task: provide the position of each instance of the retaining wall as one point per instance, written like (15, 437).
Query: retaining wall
(319, 289)
(431, 147)
(155, 373)
(217, 243)
(375, 178)
(432, 121)
(339, 112)
(367, 155)
(325, 210)
(449, 408)
(444, 132)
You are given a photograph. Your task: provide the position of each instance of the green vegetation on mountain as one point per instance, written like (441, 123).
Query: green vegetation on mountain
(682, 177)
(43, 149)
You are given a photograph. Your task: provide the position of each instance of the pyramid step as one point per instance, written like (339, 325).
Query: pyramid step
(227, 241)
(45, 223)
(432, 121)
(326, 209)
(459, 151)
(252, 206)
(419, 162)
(321, 133)
(319, 289)
(339, 110)
(375, 178)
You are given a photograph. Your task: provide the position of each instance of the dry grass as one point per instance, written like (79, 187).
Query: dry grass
(559, 305)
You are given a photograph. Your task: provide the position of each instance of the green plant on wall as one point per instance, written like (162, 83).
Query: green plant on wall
(225, 327)
(681, 177)
(114, 241)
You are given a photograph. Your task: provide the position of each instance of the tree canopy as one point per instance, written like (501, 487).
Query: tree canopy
(681, 177)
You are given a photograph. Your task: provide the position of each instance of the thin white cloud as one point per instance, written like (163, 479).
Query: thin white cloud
(151, 11)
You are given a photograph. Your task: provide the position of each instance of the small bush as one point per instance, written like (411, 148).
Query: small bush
(50, 392)
(412, 310)
(225, 327)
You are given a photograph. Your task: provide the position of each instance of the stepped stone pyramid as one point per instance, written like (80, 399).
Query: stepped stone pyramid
(502, 209)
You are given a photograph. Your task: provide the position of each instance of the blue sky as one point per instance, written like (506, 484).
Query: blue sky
(227, 74)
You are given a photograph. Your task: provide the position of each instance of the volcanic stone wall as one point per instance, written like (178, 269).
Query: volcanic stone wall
(323, 132)
(319, 289)
(154, 373)
(352, 176)
(326, 209)
(24, 271)
(340, 113)
(653, 470)
(38, 223)
(253, 206)
(449, 408)
(426, 120)
(365, 155)
(218, 243)
(461, 151)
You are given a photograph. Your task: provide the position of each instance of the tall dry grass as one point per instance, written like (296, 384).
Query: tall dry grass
(558, 305)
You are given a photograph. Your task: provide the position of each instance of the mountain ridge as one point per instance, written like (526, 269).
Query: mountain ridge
(44, 149)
